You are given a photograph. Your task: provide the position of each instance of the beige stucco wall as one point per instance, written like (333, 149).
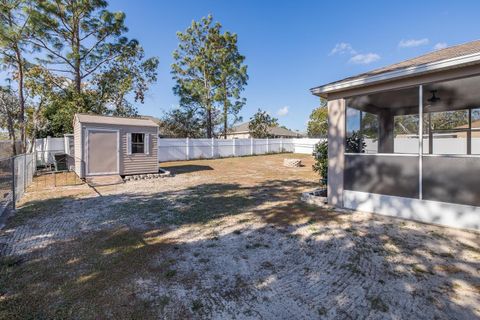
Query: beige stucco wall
(336, 151)
(238, 135)
(128, 164)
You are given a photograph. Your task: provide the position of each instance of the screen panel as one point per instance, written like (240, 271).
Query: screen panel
(382, 174)
(452, 179)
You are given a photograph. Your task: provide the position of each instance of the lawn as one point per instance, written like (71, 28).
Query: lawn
(227, 238)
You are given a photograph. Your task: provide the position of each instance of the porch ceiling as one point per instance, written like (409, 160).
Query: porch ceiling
(453, 95)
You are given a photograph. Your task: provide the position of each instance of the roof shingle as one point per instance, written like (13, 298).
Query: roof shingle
(439, 55)
(93, 118)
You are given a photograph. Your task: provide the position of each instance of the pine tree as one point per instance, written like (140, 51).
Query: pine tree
(261, 123)
(209, 72)
(14, 33)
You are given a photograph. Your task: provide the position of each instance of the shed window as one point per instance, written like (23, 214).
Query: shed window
(138, 143)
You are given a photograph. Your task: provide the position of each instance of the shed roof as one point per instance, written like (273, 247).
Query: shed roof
(110, 120)
(470, 51)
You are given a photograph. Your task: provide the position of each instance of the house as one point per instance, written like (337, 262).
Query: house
(377, 165)
(242, 131)
(107, 145)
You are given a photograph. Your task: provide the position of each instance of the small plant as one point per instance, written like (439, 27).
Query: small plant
(322, 311)
(377, 304)
(170, 273)
(321, 161)
(354, 143)
(197, 305)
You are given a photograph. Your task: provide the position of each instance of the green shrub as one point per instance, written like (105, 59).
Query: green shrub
(321, 160)
(354, 143)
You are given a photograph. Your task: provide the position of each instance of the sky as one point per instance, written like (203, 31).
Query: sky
(292, 46)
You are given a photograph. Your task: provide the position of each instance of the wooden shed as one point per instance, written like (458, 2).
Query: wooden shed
(106, 145)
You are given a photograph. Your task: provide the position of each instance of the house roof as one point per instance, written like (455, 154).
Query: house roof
(463, 54)
(93, 118)
(277, 131)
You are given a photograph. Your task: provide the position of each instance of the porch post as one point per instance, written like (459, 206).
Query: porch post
(386, 132)
(420, 142)
(336, 151)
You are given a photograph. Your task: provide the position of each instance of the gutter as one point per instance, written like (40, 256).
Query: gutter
(396, 74)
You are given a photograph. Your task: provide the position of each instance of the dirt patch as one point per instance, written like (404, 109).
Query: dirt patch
(233, 240)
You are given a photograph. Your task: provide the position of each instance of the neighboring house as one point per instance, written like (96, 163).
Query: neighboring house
(436, 179)
(107, 145)
(242, 131)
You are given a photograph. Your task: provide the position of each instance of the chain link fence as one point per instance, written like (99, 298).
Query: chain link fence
(56, 168)
(6, 184)
(16, 174)
(37, 171)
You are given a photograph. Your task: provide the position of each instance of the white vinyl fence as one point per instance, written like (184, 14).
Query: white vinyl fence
(46, 148)
(305, 145)
(440, 145)
(187, 149)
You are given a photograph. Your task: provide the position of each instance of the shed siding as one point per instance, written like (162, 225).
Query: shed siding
(139, 163)
(134, 163)
(78, 149)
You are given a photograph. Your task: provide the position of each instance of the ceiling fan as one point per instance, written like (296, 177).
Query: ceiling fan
(434, 98)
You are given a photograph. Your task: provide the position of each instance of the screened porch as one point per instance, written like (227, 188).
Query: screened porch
(420, 142)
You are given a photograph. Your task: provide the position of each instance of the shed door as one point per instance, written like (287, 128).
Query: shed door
(102, 152)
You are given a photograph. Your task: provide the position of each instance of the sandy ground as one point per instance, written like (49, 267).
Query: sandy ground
(228, 239)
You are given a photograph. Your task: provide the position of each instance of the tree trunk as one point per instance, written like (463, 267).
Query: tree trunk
(21, 100)
(225, 118)
(14, 146)
(33, 135)
(209, 122)
(76, 56)
(225, 111)
(21, 112)
(11, 132)
(208, 104)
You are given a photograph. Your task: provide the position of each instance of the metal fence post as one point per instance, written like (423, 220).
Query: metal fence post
(24, 172)
(233, 144)
(187, 150)
(251, 146)
(13, 183)
(281, 144)
(268, 149)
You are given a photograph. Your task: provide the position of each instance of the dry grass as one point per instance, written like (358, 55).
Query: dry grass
(226, 238)
(51, 180)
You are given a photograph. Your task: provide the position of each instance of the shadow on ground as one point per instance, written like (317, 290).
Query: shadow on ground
(228, 250)
(180, 169)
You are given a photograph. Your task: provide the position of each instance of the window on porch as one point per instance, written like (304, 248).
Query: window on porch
(452, 117)
(384, 122)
